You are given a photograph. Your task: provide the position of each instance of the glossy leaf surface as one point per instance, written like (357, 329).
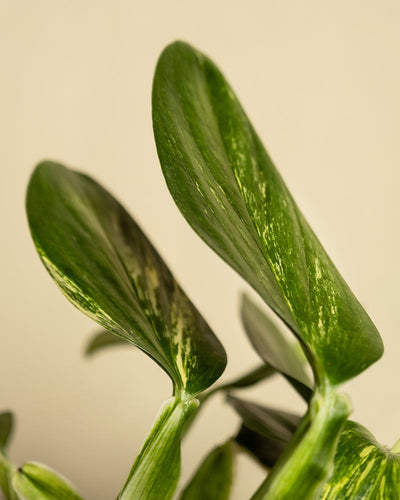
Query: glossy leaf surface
(6, 428)
(227, 187)
(103, 340)
(105, 265)
(35, 481)
(213, 479)
(363, 469)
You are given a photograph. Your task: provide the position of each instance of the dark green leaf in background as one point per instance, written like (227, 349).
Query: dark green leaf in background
(287, 357)
(265, 450)
(35, 481)
(213, 479)
(6, 428)
(269, 422)
(227, 187)
(105, 265)
(103, 340)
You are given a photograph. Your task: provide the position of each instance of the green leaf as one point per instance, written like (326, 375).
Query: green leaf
(287, 357)
(269, 422)
(213, 479)
(248, 379)
(103, 340)
(227, 187)
(6, 428)
(37, 482)
(265, 450)
(105, 265)
(156, 471)
(364, 470)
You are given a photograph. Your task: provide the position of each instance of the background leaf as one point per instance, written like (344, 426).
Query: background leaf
(102, 340)
(213, 479)
(35, 481)
(105, 265)
(6, 428)
(269, 422)
(265, 450)
(227, 187)
(287, 357)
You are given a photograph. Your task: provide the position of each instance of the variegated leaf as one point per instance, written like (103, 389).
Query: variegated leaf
(105, 265)
(227, 187)
(363, 469)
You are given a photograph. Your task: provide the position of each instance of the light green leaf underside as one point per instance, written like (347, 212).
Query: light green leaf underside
(6, 428)
(37, 482)
(213, 479)
(228, 189)
(103, 340)
(106, 266)
(286, 356)
(156, 471)
(363, 469)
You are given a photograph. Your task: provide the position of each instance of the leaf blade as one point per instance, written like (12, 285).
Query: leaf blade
(34, 481)
(227, 187)
(213, 478)
(363, 469)
(105, 265)
(6, 428)
(103, 340)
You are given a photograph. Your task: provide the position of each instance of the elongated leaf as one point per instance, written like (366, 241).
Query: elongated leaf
(6, 428)
(364, 470)
(213, 479)
(105, 265)
(269, 422)
(287, 357)
(265, 450)
(103, 340)
(156, 471)
(228, 189)
(35, 481)
(249, 379)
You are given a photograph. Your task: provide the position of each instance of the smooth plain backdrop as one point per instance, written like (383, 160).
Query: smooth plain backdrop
(321, 82)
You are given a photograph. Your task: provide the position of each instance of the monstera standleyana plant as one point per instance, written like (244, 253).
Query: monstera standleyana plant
(228, 189)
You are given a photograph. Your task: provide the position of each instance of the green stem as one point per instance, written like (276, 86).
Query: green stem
(307, 463)
(7, 470)
(156, 470)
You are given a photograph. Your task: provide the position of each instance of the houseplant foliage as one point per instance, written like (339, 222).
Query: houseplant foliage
(228, 189)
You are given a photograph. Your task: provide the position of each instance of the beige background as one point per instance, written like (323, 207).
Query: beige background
(321, 82)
